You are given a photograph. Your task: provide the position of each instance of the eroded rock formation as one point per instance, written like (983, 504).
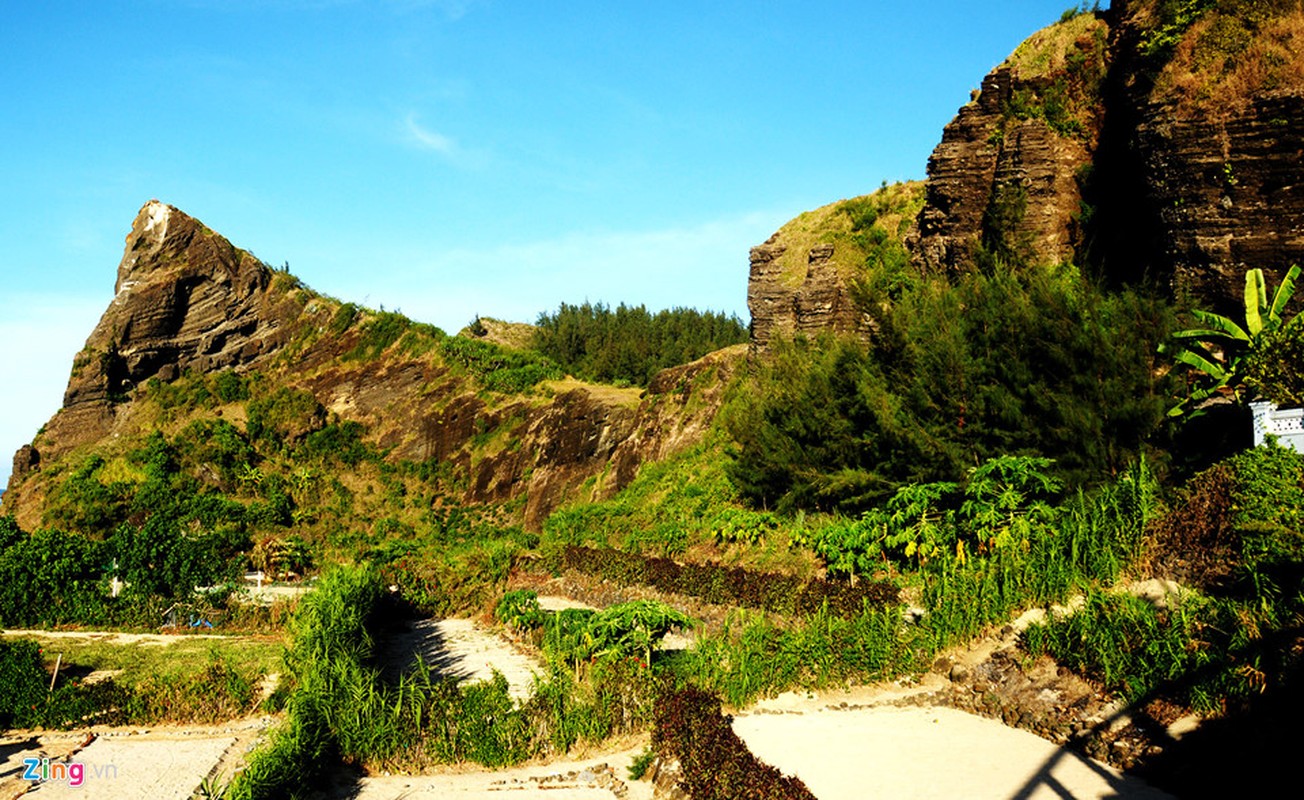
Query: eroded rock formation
(1093, 144)
(186, 300)
(820, 300)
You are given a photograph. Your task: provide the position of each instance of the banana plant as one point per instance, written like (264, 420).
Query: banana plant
(1220, 350)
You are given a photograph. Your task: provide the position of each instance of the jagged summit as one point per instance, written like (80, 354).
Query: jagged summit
(185, 298)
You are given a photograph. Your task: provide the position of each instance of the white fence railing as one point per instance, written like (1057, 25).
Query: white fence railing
(1287, 424)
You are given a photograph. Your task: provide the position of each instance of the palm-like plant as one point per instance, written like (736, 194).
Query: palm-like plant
(1220, 350)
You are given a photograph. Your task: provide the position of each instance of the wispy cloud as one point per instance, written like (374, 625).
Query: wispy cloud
(452, 151)
(430, 140)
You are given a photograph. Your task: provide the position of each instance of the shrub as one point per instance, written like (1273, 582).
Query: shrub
(733, 586)
(1022, 361)
(23, 682)
(500, 369)
(51, 577)
(378, 333)
(519, 610)
(714, 762)
(1276, 367)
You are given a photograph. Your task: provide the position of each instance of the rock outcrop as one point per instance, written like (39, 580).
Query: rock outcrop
(1008, 172)
(1228, 194)
(804, 278)
(187, 302)
(821, 301)
(1139, 141)
(185, 299)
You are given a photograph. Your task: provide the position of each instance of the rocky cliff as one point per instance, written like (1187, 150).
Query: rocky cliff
(1152, 141)
(184, 299)
(190, 306)
(806, 278)
(1009, 170)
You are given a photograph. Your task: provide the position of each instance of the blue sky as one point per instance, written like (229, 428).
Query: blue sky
(449, 158)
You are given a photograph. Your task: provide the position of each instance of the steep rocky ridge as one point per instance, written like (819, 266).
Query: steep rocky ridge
(189, 303)
(1007, 171)
(1153, 141)
(185, 298)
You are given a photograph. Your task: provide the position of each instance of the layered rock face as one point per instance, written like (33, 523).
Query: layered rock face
(1229, 194)
(820, 301)
(803, 279)
(1093, 144)
(1008, 172)
(1194, 171)
(185, 298)
(1001, 181)
(188, 300)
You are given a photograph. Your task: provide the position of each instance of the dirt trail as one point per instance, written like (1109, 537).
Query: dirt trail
(601, 777)
(460, 649)
(154, 763)
(118, 637)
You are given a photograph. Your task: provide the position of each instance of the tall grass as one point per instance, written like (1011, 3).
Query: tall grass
(342, 708)
(1091, 538)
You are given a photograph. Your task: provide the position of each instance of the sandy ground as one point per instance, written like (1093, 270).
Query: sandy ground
(844, 750)
(580, 779)
(163, 763)
(461, 649)
(115, 637)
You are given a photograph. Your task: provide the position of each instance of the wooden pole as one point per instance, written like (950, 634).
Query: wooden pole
(58, 662)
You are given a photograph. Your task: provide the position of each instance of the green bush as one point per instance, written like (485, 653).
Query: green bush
(731, 586)
(286, 415)
(23, 682)
(519, 610)
(500, 369)
(50, 578)
(1275, 368)
(378, 333)
(1025, 362)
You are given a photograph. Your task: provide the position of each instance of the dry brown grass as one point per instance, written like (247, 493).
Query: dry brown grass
(628, 396)
(1221, 66)
(514, 335)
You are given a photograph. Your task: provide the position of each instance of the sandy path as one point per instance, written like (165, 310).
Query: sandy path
(912, 753)
(163, 763)
(581, 779)
(460, 649)
(117, 637)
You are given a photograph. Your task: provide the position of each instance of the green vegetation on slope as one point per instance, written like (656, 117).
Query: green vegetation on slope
(1223, 643)
(1015, 362)
(1061, 70)
(629, 344)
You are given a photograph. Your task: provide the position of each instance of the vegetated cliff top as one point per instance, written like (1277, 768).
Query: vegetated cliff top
(1218, 55)
(853, 227)
(1050, 50)
(514, 335)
